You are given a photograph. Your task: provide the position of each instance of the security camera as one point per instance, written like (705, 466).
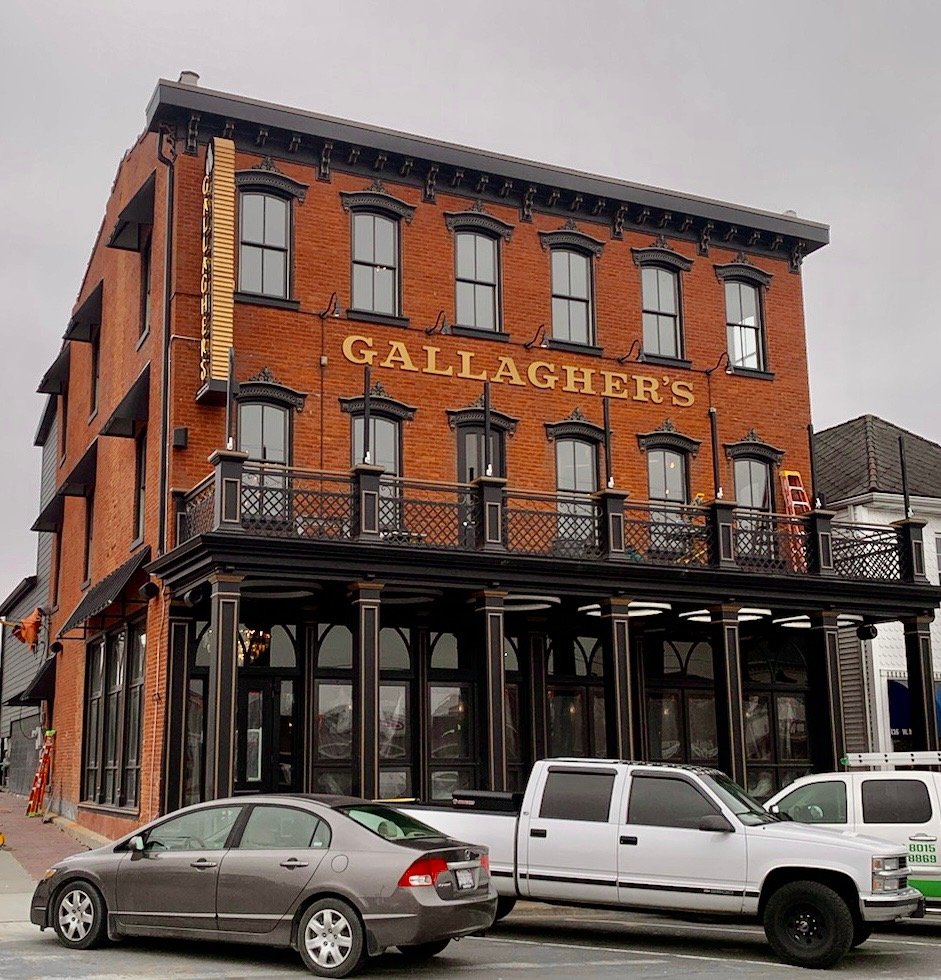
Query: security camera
(867, 631)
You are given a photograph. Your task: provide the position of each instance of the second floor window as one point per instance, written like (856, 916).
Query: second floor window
(263, 432)
(140, 484)
(89, 534)
(375, 263)
(666, 474)
(743, 323)
(571, 296)
(384, 444)
(476, 302)
(661, 312)
(264, 244)
(753, 484)
(576, 464)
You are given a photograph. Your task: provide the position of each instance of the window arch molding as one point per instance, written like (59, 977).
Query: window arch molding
(474, 415)
(667, 437)
(742, 271)
(381, 403)
(266, 179)
(265, 387)
(571, 238)
(478, 221)
(377, 201)
(751, 447)
(660, 254)
(576, 426)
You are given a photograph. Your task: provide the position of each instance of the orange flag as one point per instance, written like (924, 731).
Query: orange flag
(27, 630)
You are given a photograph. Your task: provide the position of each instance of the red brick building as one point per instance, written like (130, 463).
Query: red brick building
(389, 466)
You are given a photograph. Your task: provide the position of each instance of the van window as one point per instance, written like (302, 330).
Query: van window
(823, 802)
(667, 802)
(577, 795)
(895, 801)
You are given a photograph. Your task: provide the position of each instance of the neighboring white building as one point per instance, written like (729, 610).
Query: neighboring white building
(859, 477)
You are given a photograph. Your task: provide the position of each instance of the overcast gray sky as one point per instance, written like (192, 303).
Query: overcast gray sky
(829, 108)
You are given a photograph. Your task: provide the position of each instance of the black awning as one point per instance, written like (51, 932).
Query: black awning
(45, 421)
(80, 481)
(50, 517)
(101, 595)
(133, 407)
(87, 317)
(137, 212)
(55, 380)
(43, 686)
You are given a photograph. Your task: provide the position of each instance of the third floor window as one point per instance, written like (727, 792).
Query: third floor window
(571, 296)
(743, 321)
(264, 249)
(661, 312)
(477, 300)
(375, 263)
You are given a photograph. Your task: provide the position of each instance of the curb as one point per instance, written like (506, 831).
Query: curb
(83, 835)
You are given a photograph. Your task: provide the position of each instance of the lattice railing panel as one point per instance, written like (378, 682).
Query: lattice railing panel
(198, 509)
(562, 526)
(667, 534)
(287, 503)
(425, 515)
(771, 543)
(866, 551)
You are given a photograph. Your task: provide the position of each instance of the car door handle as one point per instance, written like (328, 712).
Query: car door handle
(202, 863)
(293, 863)
(628, 840)
(538, 832)
(922, 837)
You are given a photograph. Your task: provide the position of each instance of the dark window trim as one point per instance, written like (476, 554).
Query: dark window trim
(499, 433)
(266, 178)
(593, 443)
(482, 333)
(367, 316)
(473, 415)
(571, 239)
(380, 403)
(751, 447)
(399, 437)
(662, 360)
(245, 402)
(685, 456)
(571, 244)
(661, 255)
(265, 387)
(755, 373)
(496, 285)
(260, 299)
(395, 217)
(377, 201)
(770, 464)
(265, 298)
(668, 261)
(576, 426)
(478, 221)
(668, 438)
(743, 272)
(574, 347)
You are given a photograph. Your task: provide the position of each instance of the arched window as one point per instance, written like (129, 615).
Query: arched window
(264, 244)
(264, 432)
(384, 443)
(753, 486)
(667, 478)
(575, 672)
(744, 286)
(333, 700)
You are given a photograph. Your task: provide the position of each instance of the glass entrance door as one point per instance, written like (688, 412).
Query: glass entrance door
(267, 758)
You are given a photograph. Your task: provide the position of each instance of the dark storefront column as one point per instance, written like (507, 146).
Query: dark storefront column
(178, 665)
(825, 637)
(921, 683)
(220, 726)
(490, 607)
(620, 698)
(538, 695)
(730, 712)
(365, 596)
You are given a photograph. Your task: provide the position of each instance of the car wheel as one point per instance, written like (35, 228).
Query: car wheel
(504, 907)
(808, 924)
(79, 916)
(330, 938)
(424, 951)
(861, 932)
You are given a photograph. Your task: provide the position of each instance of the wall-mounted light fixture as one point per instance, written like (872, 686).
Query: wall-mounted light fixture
(715, 367)
(440, 325)
(332, 308)
(635, 352)
(538, 338)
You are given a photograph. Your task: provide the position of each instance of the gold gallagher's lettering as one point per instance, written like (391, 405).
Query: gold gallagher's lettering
(397, 356)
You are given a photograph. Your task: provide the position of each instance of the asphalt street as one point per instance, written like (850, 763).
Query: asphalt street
(567, 942)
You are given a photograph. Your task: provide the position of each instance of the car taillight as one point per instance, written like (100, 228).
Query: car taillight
(485, 862)
(423, 872)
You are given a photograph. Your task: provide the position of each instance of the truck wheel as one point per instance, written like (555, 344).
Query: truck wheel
(861, 932)
(504, 907)
(424, 951)
(808, 924)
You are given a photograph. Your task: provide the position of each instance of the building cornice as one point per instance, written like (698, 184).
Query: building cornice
(196, 113)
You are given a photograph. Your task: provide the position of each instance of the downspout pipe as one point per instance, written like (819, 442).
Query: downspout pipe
(168, 162)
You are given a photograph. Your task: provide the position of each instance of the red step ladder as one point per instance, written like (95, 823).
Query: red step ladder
(37, 795)
(796, 501)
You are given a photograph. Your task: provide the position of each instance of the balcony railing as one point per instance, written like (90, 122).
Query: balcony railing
(370, 507)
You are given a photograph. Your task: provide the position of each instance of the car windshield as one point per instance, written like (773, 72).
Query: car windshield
(749, 811)
(388, 823)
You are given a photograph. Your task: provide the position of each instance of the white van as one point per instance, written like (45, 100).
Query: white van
(902, 806)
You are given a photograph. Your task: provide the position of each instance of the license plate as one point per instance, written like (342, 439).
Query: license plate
(465, 878)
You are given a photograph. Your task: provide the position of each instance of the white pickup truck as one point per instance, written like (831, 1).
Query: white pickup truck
(903, 807)
(681, 839)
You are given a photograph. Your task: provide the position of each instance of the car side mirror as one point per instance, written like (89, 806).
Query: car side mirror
(136, 843)
(716, 823)
(774, 808)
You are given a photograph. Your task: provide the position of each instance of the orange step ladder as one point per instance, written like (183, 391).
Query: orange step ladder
(37, 795)
(796, 501)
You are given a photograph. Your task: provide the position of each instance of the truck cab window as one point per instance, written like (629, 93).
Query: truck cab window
(895, 801)
(816, 803)
(577, 795)
(659, 802)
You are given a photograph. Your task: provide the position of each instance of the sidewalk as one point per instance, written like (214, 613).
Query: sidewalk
(30, 848)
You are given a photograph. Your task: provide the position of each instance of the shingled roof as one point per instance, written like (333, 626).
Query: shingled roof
(862, 456)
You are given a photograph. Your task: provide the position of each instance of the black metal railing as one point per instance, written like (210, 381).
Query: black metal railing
(369, 506)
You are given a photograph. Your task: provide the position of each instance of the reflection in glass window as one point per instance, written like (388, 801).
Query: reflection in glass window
(393, 721)
(659, 802)
(823, 802)
(476, 280)
(663, 726)
(334, 721)
(450, 732)
(571, 795)
(571, 296)
(199, 830)
(666, 474)
(375, 263)
(335, 648)
(263, 432)
(283, 828)
(743, 323)
(264, 231)
(661, 312)
(753, 484)
(567, 733)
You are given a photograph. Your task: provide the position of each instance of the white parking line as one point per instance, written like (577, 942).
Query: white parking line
(645, 952)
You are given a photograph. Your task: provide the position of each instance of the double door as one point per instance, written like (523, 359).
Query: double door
(267, 748)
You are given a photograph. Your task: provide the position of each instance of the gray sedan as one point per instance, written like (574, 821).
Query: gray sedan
(336, 878)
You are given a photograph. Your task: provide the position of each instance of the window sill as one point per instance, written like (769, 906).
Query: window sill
(142, 339)
(136, 543)
(669, 362)
(744, 372)
(573, 347)
(84, 585)
(257, 299)
(480, 332)
(117, 811)
(367, 316)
